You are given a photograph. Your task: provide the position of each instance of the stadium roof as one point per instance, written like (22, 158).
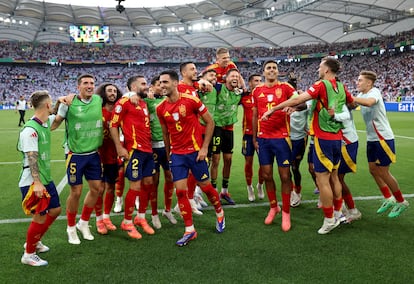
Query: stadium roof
(212, 23)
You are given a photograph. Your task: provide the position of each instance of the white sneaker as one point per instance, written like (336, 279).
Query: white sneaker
(354, 214)
(344, 209)
(260, 191)
(137, 202)
(198, 196)
(295, 199)
(33, 259)
(328, 225)
(72, 235)
(85, 231)
(199, 199)
(177, 209)
(194, 207)
(156, 221)
(40, 247)
(169, 215)
(118, 204)
(341, 217)
(250, 193)
(198, 205)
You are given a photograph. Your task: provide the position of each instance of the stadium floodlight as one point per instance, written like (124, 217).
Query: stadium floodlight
(120, 8)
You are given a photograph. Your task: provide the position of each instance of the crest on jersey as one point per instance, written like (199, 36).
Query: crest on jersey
(145, 111)
(118, 109)
(278, 93)
(182, 110)
(176, 116)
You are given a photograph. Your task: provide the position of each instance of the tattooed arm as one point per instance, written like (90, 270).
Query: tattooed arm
(34, 169)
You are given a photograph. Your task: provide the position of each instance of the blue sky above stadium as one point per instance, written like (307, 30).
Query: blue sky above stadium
(125, 3)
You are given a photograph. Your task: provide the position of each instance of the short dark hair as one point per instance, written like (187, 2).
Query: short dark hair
(205, 71)
(155, 79)
(332, 63)
(173, 75)
(132, 80)
(231, 70)
(254, 75)
(184, 64)
(268, 62)
(38, 97)
(85, 76)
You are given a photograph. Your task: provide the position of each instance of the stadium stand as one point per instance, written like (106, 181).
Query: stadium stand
(54, 66)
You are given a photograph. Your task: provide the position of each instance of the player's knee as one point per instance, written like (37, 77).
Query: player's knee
(267, 176)
(54, 212)
(76, 193)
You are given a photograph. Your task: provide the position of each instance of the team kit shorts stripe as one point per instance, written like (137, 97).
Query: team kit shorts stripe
(140, 165)
(348, 158)
(110, 173)
(79, 165)
(247, 146)
(326, 155)
(54, 196)
(180, 165)
(223, 141)
(269, 148)
(298, 148)
(381, 152)
(160, 159)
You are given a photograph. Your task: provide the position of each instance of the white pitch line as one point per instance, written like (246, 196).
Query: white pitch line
(12, 163)
(62, 184)
(396, 136)
(262, 204)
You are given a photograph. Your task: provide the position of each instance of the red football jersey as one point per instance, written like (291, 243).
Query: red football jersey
(318, 91)
(247, 103)
(189, 90)
(107, 151)
(135, 124)
(264, 97)
(221, 71)
(181, 120)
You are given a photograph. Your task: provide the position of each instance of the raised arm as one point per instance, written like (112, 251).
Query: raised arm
(368, 102)
(294, 101)
(57, 122)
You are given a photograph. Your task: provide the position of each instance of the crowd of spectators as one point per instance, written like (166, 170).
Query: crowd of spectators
(395, 68)
(27, 51)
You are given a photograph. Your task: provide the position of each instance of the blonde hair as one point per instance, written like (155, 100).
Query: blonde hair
(221, 50)
(38, 98)
(370, 75)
